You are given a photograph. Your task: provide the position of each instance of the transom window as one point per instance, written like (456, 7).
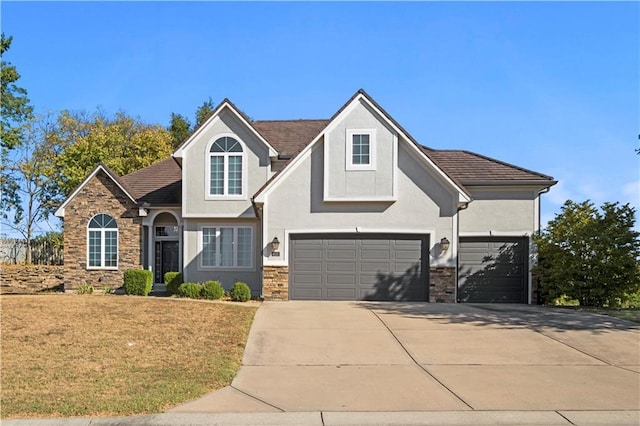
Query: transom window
(102, 242)
(360, 149)
(227, 247)
(226, 167)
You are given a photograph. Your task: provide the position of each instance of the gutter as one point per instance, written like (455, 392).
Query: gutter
(545, 183)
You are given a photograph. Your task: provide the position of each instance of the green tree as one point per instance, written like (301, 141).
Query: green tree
(180, 129)
(123, 143)
(15, 112)
(204, 111)
(15, 108)
(33, 186)
(590, 254)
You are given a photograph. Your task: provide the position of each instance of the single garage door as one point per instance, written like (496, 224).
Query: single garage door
(358, 267)
(493, 270)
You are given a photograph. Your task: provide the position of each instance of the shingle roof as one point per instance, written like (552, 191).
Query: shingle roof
(470, 168)
(161, 184)
(289, 137)
(157, 184)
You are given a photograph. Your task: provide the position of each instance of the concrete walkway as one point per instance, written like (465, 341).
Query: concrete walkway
(344, 363)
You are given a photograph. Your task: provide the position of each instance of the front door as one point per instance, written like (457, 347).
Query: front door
(166, 259)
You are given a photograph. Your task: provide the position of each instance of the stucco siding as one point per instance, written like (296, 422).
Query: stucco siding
(499, 212)
(361, 184)
(424, 206)
(193, 270)
(195, 173)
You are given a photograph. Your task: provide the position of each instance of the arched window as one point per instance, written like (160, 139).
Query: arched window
(226, 167)
(102, 242)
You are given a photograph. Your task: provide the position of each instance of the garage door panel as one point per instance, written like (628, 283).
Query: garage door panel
(340, 254)
(340, 279)
(309, 266)
(339, 243)
(307, 293)
(306, 253)
(334, 266)
(369, 254)
(406, 268)
(341, 293)
(308, 279)
(493, 270)
(376, 267)
(361, 267)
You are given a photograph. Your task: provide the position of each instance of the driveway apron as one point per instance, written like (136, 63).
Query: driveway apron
(368, 356)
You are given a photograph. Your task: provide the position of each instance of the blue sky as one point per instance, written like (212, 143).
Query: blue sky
(553, 87)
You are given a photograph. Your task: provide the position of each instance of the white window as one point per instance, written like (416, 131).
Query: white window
(227, 247)
(226, 168)
(361, 149)
(102, 242)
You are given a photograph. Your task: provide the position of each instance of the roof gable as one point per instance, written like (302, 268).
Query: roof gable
(112, 175)
(362, 96)
(225, 104)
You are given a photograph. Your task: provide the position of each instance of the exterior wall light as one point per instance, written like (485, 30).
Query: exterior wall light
(275, 244)
(444, 244)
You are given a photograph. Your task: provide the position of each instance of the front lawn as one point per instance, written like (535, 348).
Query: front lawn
(629, 314)
(100, 355)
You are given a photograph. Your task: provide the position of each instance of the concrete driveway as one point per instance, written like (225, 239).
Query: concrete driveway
(367, 356)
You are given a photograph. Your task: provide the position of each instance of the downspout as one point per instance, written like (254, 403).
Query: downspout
(530, 298)
(544, 191)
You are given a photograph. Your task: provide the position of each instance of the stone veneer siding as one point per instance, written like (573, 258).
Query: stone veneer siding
(100, 195)
(442, 285)
(275, 282)
(21, 279)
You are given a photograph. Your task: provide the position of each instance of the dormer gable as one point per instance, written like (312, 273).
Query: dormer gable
(225, 105)
(359, 116)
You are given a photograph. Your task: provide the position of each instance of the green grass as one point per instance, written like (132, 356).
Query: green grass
(105, 355)
(629, 314)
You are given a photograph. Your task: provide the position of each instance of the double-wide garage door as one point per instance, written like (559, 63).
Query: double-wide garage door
(493, 270)
(358, 267)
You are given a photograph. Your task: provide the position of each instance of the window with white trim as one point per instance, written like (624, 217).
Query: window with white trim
(361, 149)
(227, 247)
(226, 158)
(102, 242)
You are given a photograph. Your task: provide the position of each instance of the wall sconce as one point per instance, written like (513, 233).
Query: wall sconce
(444, 244)
(275, 244)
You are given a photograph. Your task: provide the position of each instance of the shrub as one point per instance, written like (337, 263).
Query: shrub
(590, 254)
(138, 282)
(212, 290)
(633, 300)
(190, 290)
(240, 292)
(173, 280)
(84, 289)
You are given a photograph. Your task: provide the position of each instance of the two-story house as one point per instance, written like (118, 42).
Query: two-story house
(348, 208)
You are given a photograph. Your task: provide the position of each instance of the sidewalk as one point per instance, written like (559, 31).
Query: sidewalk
(426, 418)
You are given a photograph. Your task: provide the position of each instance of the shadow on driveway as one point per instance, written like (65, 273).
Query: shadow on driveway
(505, 316)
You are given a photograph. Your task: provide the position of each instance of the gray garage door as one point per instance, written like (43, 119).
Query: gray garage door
(493, 270)
(357, 267)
